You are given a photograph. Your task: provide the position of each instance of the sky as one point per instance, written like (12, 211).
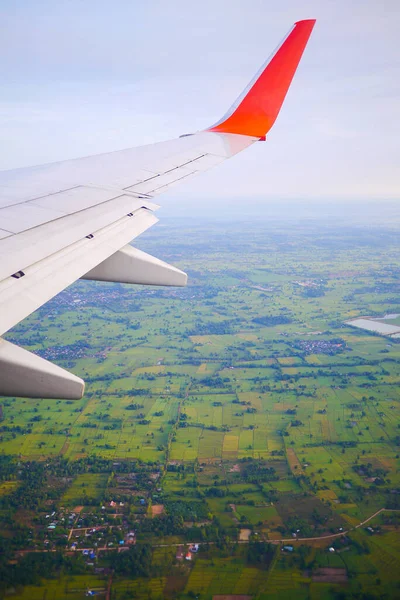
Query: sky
(85, 77)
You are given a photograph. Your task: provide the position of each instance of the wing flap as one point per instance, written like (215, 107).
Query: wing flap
(20, 251)
(19, 297)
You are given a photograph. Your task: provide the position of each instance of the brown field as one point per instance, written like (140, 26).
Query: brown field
(294, 463)
(287, 360)
(175, 584)
(303, 506)
(228, 455)
(157, 509)
(244, 535)
(329, 575)
(387, 463)
(273, 522)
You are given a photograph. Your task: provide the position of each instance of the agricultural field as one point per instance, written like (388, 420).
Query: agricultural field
(243, 408)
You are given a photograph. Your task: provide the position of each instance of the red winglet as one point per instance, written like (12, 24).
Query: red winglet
(257, 108)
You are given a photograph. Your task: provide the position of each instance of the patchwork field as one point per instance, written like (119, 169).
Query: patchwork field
(245, 402)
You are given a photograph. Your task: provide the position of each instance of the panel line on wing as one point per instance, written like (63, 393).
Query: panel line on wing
(172, 182)
(32, 200)
(53, 236)
(166, 172)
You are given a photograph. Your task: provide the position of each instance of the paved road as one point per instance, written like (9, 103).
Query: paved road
(284, 540)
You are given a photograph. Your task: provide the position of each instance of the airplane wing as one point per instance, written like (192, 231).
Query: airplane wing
(75, 219)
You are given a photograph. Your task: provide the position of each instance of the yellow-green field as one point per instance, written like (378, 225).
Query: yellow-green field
(241, 402)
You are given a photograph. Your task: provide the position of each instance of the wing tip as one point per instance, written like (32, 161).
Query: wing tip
(310, 21)
(255, 111)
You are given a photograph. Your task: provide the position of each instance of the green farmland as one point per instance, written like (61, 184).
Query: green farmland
(238, 412)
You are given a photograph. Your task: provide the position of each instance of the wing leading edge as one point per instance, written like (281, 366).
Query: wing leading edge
(73, 219)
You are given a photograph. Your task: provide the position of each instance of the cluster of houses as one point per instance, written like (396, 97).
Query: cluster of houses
(188, 555)
(89, 533)
(320, 346)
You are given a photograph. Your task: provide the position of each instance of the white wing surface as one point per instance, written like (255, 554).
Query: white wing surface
(75, 219)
